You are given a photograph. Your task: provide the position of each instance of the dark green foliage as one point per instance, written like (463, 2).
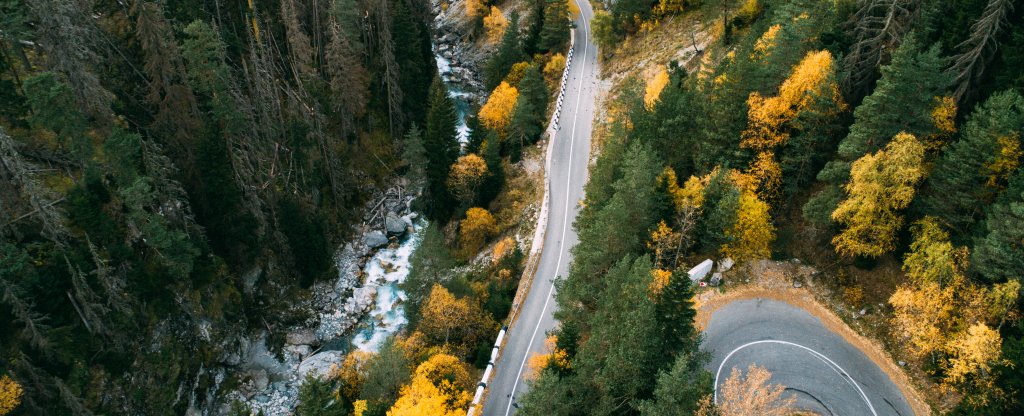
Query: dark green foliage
(554, 35)
(412, 53)
(430, 264)
(528, 116)
(440, 140)
(999, 254)
(53, 108)
(510, 51)
(495, 170)
(317, 398)
(386, 373)
(958, 188)
(680, 388)
(415, 156)
(721, 202)
(674, 314)
(305, 233)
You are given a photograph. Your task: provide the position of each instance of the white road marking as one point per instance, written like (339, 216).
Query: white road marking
(835, 367)
(565, 217)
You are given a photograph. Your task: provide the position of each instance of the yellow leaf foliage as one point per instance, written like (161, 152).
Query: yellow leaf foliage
(554, 68)
(654, 87)
(475, 8)
(753, 232)
(359, 407)
(659, 279)
(444, 316)
(497, 112)
(944, 119)
(765, 43)
(881, 185)
(765, 176)
(437, 389)
(1006, 162)
(10, 395)
(691, 195)
(466, 175)
(922, 314)
(352, 372)
(502, 248)
(515, 74)
(553, 357)
(753, 395)
(974, 352)
(664, 242)
(574, 9)
(495, 24)
(768, 119)
(478, 226)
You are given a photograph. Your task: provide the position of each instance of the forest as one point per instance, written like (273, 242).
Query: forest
(886, 131)
(174, 173)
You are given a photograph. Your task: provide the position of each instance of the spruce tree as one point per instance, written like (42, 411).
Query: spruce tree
(495, 170)
(415, 156)
(555, 34)
(721, 204)
(675, 313)
(975, 168)
(442, 148)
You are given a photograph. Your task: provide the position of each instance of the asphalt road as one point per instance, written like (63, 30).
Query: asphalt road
(570, 154)
(827, 375)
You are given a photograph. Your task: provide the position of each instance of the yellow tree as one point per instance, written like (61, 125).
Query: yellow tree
(352, 373)
(10, 395)
(553, 68)
(497, 111)
(972, 356)
(944, 118)
(753, 395)
(654, 87)
(495, 24)
(923, 314)
(475, 8)
(881, 185)
(753, 233)
(765, 43)
(769, 120)
(765, 176)
(466, 176)
(443, 315)
(439, 388)
(474, 231)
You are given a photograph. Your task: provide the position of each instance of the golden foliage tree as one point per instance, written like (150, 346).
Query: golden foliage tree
(495, 24)
(944, 118)
(654, 87)
(753, 232)
(457, 324)
(765, 43)
(466, 176)
(10, 395)
(881, 185)
(439, 388)
(352, 372)
(753, 395)
(475, 8)
(974, 352)
(769, 120)
(553, 68)
(474, 231)
(497, 111)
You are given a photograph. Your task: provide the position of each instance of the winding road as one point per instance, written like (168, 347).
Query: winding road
(826, 374)
(567, 173)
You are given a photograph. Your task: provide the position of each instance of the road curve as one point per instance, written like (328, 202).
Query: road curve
(826, 374)
(570, 154)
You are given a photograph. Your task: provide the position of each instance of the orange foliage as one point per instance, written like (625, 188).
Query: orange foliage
(495, 25)
(10, 395)
(497, 112)
(466, 175)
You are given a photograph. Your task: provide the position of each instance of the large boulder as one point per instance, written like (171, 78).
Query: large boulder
(320, 363)
(374, 239)
(301, 337)
(395, 224)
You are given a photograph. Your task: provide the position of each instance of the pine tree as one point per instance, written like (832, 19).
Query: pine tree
(415, 156)
(440, 139)
(999, 255)
(317, 398)
(674, 313)
(680, 390)
(975, 168)
(555, 34)
(509, 52)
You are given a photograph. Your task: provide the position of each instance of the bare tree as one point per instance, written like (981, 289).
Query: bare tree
(753, 395)
(878, 28)
(979, 48)
(41, 199)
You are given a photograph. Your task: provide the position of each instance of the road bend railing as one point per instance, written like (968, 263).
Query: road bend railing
(538, 237)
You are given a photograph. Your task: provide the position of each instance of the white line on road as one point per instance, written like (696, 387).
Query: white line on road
(565, 217)
(818, 355)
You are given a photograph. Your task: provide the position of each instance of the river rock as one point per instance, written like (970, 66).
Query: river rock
(260, 379)
(395, 224)
(299, 350)
(320, 363)
(301, 337)
(374, 239)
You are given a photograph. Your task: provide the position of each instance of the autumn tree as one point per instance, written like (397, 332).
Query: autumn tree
(495, 25)
(881, 186)
(10, 395)
(753, 395)
(497, 112)
(438, 388)
(478, 226)
(654, 87)
(973, 355)
(752, 234)
(510, 51)
(466, 176)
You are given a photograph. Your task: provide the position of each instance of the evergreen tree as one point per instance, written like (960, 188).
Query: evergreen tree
(495, 170)
(674, 313)
(413, 55)
(531, 42)
(975, 168)
(528, 119)
(317, 397)
(415, 156)
(440, 139)
(509, 52)
(554, 36)
(679, 390)
(720, 208)
(999, 255)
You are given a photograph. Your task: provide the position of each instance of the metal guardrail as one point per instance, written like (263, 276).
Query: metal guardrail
(534, 261)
